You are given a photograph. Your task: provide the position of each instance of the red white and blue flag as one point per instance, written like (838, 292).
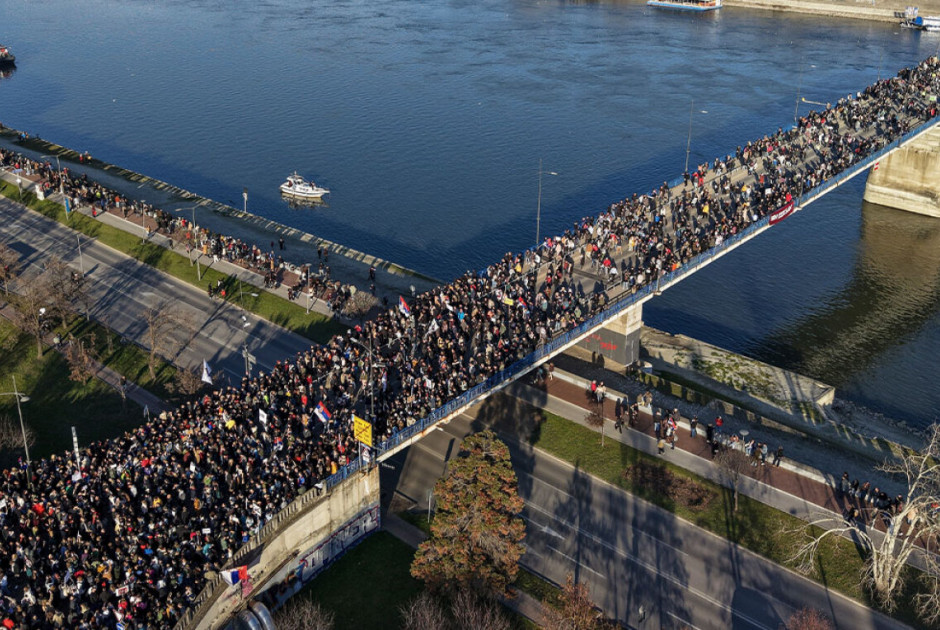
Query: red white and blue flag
(236, 575)
(403, 306)
(322, 412)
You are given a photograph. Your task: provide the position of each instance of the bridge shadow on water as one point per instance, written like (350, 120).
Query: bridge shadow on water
(894, 291)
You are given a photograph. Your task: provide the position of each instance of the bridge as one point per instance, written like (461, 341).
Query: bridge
(458, 344)
(614, 332)
(782, 175)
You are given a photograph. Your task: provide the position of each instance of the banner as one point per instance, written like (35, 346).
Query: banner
(782, 213)
(362, 430)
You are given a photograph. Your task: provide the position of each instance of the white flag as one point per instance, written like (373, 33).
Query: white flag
(263, 417)
(206, 373)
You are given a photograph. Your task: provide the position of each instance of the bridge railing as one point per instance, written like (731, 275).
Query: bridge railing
(526, 363)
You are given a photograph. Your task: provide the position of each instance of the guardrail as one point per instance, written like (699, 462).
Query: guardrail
(307, 500)
(526, 363)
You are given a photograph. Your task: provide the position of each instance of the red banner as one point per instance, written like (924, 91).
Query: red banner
(782, 213)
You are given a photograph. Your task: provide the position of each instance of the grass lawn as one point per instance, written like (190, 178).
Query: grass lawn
(125, 358)
(755, 526)
(56, 403)
(314, 326)
(367, 587)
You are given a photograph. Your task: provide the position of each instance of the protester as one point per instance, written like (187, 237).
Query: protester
(129, 538)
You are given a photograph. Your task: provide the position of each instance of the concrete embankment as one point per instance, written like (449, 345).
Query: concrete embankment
(857, 9)
(347, 264)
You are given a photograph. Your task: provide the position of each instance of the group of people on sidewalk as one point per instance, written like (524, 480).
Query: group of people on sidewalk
(81, 190)
(129, 535)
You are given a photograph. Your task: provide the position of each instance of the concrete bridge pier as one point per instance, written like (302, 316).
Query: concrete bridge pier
(909, 178)
(617, 343)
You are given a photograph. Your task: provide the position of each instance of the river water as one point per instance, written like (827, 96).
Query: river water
(427, 121)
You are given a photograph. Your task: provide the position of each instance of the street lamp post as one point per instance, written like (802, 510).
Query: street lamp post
(198, 253)
(59, 169)
(538, 209)
(143, 239)
(20, 398)
(81, 259)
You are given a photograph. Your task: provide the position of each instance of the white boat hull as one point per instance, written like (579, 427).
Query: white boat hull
(314, 193)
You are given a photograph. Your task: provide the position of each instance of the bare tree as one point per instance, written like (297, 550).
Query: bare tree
(424, 612)
(909, 527)
(31, 304)
(9, 266)
(595, 420)
(11, 434)
(809, 619)
(164, 322)
(473, 612)
(302, 613)
(66, 287)
(187, 382)
(82, 358)
(732, 467)
(359, 304)
(575, 612)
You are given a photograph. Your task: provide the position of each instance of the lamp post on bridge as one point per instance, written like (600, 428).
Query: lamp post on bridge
(799, 87)
(688, 142)
(372, 364)
(538, 210)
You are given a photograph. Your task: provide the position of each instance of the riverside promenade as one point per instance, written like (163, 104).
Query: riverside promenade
(348, 265)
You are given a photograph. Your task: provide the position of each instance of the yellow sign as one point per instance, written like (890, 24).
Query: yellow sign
(362, 430)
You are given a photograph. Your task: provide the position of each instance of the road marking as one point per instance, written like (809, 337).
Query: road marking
(652, 569)
(687, 624)
(583, 566)
(633, 529)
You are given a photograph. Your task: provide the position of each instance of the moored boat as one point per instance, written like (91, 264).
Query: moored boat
(6, 57)
(296, 186)
(686, 5)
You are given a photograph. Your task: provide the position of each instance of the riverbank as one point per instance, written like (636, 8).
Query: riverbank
(835, 438)
(348, 265)
(890, 11)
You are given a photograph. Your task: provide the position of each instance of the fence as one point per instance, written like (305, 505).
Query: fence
(307, 500)
(523, 365)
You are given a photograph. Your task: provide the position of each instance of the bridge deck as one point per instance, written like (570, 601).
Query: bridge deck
(617, 288)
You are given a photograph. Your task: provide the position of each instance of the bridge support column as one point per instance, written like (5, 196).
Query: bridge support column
(909, 178)
(618, 342)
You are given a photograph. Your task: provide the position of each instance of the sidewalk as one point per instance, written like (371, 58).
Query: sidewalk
(791, 487)
(523, 603)
(348, 265)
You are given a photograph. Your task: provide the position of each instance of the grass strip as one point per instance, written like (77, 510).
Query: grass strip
(755, 526)
(315, 326)
(94, 409)
(367, 587)
(125, 358)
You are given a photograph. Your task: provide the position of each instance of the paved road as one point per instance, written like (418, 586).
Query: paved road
(121, 288)
(632, 553)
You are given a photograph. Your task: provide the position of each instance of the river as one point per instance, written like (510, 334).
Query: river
(427, 121)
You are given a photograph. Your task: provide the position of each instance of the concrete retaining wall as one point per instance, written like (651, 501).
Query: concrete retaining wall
(292, 548)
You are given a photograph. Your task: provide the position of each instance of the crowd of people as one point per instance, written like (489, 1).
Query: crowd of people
(81, 190)
(130, 536)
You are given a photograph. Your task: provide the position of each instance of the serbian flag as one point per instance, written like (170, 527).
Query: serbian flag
(322, 412)
(403, 306)
(236, 575)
